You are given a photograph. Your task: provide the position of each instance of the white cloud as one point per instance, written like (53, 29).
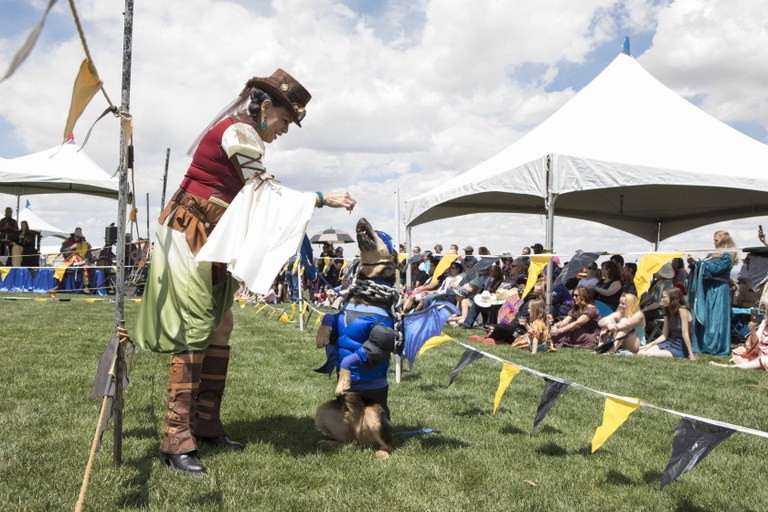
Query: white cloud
(403, 98)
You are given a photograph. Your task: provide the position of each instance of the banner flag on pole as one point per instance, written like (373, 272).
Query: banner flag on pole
(649, 265)
(242, 301)
(552, 390)
(538, 263)
(468, 357)
(615, 414)
(693, 441)
(29, 43)
(87, 84)
(433, 342)
(259, 310)
(443, 264)
(508, 373)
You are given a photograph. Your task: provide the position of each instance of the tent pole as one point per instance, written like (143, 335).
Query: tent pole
(550, 205)
(408, 273)
(125, 163)
(398, 286)
(658, 236)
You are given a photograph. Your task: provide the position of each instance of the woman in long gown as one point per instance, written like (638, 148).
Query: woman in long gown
(710, 297)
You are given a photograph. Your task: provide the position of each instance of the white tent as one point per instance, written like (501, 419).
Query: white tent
(36, 223)
(625, 151)
(56, 170)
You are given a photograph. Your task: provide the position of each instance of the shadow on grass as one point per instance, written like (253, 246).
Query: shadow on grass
(474, 411)
(295, 435)
(685, 505)
(555, 450)
(512, 430)
(546, 429)
(617, 478)
(137, 488)
(652, 477)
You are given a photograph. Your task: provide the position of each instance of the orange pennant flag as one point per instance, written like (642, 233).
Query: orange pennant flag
(615, 414)
(649, 265)
(443, 265)
(538, 262)
(508, 373)
(87, 84)
(433, 342)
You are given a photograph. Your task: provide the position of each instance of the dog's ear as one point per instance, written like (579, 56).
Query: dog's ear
(323, 336)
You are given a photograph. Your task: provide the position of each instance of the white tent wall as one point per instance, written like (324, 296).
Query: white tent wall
(626, 152)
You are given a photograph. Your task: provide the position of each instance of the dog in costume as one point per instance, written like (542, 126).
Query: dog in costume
(359, 341)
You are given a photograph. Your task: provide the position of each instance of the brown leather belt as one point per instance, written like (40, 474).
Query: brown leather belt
(187, 201)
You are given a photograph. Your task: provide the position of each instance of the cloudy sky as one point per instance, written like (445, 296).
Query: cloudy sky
(406, 94)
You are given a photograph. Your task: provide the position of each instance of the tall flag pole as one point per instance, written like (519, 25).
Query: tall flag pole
(125, 163)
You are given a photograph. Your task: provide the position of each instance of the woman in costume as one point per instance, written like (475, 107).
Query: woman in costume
(185, 309)
(710, 297)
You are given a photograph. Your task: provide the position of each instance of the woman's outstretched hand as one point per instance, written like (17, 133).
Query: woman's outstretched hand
(339, 200)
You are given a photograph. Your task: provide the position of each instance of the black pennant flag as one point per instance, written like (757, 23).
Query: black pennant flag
(552, 390)
(692, 442)
(467, 358)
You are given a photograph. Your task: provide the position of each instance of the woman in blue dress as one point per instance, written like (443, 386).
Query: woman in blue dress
(710, 297)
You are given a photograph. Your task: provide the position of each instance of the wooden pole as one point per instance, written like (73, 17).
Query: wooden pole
(125, 163)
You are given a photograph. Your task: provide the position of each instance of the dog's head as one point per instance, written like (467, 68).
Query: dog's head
(377, 254)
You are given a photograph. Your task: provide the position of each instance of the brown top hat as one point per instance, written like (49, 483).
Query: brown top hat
(286, 91)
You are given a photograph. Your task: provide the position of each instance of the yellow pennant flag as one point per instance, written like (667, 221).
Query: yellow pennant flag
(40, 300)
(242, 301)
(272, 313)
(508, 373)
(319, 319)
(259, 310)
(284, 318)
(137, 301)
(443, 265)
(401, 257)
(133, 214)
(304, 309)
(293, 311)
(538, 263)
(433, 342)
(4, 271)
(87, 84)
(615, 414)
(649, 265)
(90, 301)
(59, 273)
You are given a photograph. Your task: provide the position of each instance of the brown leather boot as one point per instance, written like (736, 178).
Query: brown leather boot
(178, 448)
(206, 423)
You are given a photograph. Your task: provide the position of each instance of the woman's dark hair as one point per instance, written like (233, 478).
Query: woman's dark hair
(676, 302)
(586, 295)
(614, 272)
(633, 266)
(254, 107)
(457, 265)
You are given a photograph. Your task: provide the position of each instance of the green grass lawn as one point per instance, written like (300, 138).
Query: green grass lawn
(477, 461)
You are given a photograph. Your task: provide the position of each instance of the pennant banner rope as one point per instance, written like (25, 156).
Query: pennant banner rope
(628, 400)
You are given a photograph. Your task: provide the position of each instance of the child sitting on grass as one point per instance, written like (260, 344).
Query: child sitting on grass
(537, 335)
(754, 354)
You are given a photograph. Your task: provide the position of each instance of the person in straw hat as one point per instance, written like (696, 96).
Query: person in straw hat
(185, 309)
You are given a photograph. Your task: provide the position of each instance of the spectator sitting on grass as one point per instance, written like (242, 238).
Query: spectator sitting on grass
(579, 329)
(624, 328)
(675, 339)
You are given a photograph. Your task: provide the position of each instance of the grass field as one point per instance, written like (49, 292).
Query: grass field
(477, 461)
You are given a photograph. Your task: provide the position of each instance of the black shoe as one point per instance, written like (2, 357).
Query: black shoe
(184, 462)
(220, 441)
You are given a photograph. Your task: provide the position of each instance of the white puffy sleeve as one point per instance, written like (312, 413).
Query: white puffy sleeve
(244, 148)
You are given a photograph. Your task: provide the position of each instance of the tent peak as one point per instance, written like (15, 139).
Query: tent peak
(625, 46)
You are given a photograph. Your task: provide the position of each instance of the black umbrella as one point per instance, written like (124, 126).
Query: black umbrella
(332, 235)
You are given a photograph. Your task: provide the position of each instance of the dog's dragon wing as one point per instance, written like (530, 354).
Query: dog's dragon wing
(418, 327)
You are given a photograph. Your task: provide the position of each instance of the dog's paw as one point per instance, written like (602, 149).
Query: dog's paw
(381, 454)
